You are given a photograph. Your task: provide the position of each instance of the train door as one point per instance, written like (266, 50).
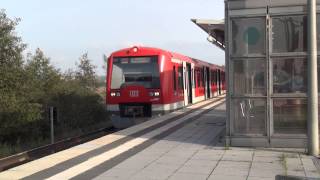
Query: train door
(193, 83)
(185, 85)
(208, 82)
(189, 82)
(204, 82)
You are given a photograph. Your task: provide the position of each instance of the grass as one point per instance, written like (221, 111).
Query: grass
(283, 160)
(226, 146)
(7, 150)
(60, 134)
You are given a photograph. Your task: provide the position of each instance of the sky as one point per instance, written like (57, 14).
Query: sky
(66, 29)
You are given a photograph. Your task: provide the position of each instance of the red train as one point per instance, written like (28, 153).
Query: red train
(143, 82)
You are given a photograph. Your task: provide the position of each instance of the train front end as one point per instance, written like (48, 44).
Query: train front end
(133, 86)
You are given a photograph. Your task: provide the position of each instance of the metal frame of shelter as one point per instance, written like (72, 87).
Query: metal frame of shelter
(215, 30)
(263, 114)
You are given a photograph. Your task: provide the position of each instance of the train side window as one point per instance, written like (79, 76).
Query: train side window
(198, 73)
(185, 78)
(200, 77)
(213, 77)
(174, 78)
(180, 78)
(194, 78)
(216, 77)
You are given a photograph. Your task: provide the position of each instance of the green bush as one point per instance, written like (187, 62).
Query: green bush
(29, 86)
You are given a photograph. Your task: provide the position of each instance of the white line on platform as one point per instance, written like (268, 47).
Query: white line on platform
(41, 164)
(95, 161)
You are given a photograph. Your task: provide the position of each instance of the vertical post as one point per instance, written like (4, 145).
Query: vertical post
(227, 72)
(51, 125)
(313, 139)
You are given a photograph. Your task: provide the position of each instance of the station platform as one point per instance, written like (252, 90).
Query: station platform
(185, 144)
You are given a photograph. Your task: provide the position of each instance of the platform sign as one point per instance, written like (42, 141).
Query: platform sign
(251, 36)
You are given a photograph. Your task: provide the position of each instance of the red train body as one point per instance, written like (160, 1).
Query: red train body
(144, 81)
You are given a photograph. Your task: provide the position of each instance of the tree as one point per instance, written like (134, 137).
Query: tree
(105, 63)
(28, 87)
(11, 46)
(85, 72)
(15, 107)
(43, 77)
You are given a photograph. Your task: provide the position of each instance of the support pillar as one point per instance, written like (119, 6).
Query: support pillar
(313, 135)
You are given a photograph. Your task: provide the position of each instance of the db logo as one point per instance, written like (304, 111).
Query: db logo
(134, 93)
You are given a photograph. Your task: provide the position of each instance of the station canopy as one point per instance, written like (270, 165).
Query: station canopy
(215, 30)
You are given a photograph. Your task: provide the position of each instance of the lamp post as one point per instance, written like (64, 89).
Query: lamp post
(313, 139)
(51, 113)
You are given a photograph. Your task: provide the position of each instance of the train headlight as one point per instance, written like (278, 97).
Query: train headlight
(154, 93)
(135, 49)
(112, 94)
(118, 94)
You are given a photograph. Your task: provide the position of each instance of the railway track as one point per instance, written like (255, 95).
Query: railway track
(27, 156)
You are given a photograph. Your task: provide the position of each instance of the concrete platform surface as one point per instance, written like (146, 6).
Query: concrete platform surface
(68, 163)
(190, 147)
(196, 152)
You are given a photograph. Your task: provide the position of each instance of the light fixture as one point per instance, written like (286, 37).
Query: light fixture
(135, 49)
(154, 93)
(113, 94)
(210, 39)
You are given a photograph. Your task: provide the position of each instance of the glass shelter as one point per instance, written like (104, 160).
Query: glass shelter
(266, 62)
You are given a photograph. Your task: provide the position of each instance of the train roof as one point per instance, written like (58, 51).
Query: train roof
(152, 50)
(145, 48)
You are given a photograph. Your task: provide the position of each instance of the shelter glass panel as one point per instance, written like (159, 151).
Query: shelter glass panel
(289, 34)
(248, 36)
(289, 75)
(249, 77)
(249, 116)
(290, 116)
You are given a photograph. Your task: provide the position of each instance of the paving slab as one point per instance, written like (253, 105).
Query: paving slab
(299, 173)
(188, 176)
(267, 154)
(260, 178)
(117, 173)
(193, 151)
(203, 169)
(266, 173)
(201, 162)
(226, 177)
(68, 159)
(267, 165)
(265, 159)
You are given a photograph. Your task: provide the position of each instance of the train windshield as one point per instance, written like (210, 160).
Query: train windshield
(135, 71)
